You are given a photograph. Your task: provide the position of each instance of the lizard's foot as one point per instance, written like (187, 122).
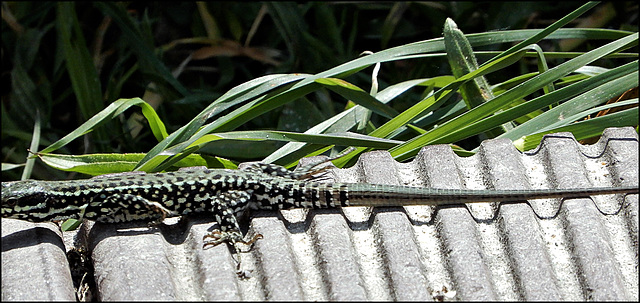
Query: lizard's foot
(235, 238)
(232, 237)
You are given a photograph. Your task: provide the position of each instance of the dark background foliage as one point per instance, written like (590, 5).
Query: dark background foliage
(212, 47)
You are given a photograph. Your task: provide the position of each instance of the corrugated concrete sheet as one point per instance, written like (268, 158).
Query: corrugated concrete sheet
(578, 249)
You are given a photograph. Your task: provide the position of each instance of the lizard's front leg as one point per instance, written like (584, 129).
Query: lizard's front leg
(225, 207)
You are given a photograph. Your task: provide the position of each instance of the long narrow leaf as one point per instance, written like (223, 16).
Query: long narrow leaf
(144, 53)
(579, 115)
(82, 72)
(110, 112)
(583, 129)
(560, 95)
(347, 119)
(548, 30)
(582, 102)
(236, 96)
(100, 164)
(301, 88)
(343, 139)
(357, 95)
(35, 142)
(411, 147)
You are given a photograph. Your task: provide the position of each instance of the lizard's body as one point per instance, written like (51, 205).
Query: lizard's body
(226, 194)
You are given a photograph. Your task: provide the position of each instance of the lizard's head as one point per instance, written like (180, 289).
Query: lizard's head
(25, 200)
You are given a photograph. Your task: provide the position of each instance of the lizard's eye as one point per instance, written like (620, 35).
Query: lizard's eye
(11, 202)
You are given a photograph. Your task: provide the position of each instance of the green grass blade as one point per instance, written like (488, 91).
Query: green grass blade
(463, 61)
(244, 92)
(357, 95)
(236, 96)
(580, 115)
(290, 22)
(341, 139)
(306, 85)
(100, 164)
(582, 102)
(549, 30)
(110, 112)
(145, 54)
(391, 21)
(541, 102)
(430, 103)
(253, 108)
(542, 65)
(434, 101)
(583, 129)
(83, 74)
(412, 146)
(347, 119)
(35, 142)
(230, 121)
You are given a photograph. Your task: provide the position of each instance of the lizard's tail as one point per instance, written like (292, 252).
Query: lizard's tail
(321, 195)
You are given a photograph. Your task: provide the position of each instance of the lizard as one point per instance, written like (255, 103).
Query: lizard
(227, 194)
